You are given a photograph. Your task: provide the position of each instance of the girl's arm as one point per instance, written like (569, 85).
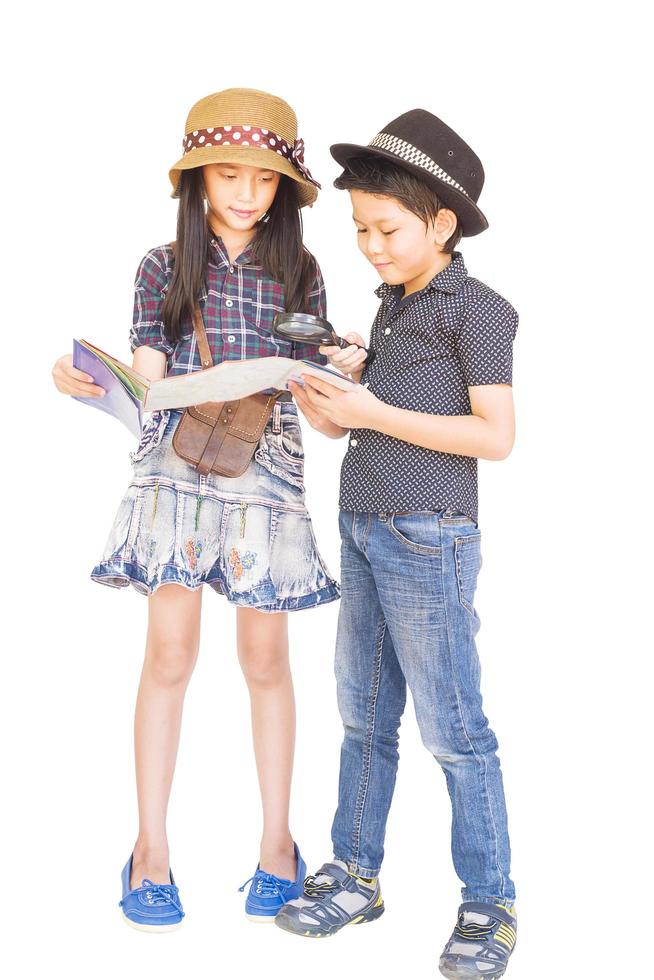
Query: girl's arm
(68, 380)
(150, 363)
(147, 335)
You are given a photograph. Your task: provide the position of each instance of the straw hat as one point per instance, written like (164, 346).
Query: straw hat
(244, 125)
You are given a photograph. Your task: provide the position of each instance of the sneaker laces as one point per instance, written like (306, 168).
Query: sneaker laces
(473, 930)
(161, 894)
(268, 885)
(314, 887)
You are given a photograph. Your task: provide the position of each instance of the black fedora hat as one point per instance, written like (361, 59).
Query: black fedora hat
(422, 144)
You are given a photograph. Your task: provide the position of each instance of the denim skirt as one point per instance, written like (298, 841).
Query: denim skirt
(249, 537)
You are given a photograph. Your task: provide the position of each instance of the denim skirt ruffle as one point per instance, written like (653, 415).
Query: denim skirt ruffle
(249, 537)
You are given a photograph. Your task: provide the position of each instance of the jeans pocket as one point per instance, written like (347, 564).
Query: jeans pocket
(289, 440)
(467, 554)
(280, 450)
(151, 435)
(418, 532)
(458, 519)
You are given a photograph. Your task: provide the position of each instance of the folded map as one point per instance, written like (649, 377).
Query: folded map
(129, 394)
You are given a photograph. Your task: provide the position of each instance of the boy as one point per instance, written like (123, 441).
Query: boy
(436, 396)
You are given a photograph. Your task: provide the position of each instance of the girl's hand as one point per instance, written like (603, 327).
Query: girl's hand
(70, 381)
(315, 419)
(355, 409)
(349, 360)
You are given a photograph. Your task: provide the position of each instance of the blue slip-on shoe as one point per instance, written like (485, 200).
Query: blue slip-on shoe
(150, 908)
(481, 944)
(268, 893)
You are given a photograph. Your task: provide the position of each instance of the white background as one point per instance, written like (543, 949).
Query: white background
(553, 98)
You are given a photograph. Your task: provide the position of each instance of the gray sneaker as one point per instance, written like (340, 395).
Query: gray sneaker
(482, 941)
(332, 898)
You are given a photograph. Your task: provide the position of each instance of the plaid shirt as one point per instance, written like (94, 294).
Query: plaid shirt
(238, 304)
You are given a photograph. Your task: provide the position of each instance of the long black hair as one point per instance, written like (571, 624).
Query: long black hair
(278, 248)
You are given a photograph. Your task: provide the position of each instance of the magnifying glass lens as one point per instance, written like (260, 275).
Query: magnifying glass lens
(304, 328)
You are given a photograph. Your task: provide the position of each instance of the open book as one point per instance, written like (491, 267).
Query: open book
(129, 394)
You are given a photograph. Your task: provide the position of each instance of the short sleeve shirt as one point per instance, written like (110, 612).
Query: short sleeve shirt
(238, 304)
(429, 348)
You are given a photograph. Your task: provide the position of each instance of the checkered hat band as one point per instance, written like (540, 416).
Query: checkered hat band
(411, 154)
(249, 136)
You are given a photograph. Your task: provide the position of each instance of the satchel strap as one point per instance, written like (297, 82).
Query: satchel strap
(216, 439)
(201, 338)
(199, 330)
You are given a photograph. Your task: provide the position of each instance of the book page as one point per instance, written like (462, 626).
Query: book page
(118, 399)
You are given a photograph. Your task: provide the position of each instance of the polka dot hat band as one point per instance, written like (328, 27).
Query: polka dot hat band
(242, 125)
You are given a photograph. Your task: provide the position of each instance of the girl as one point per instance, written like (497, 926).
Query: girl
(241, 183)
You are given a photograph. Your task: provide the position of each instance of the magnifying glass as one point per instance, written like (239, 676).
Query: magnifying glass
(304, 328)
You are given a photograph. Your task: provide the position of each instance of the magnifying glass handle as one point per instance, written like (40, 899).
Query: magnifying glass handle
(342, 343)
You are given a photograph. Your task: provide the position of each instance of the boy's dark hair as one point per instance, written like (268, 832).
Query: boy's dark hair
(374, 175)
(278, 249)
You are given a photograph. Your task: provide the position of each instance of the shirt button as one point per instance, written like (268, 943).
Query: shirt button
(354, 442)
(231, 338)
(387, 330)
(229, 302)
(231, 268)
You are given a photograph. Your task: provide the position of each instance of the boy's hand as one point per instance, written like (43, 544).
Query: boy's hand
(355, 409)
(350, 359)
(70, 381)
(315, 418)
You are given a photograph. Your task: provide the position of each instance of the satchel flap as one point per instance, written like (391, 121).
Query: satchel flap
(253, 414)
(208, 412)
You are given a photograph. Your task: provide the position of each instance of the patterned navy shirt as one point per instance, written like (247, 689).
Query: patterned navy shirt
(238, 304)
(429, 348)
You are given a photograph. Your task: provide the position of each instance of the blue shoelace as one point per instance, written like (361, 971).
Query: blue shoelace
(161, 894)
(267, 885)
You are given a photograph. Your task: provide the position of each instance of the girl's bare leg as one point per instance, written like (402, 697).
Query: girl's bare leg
(263, 655)
(170, 655)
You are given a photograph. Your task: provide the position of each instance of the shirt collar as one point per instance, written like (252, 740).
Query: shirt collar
(218, 247)
(449, 280)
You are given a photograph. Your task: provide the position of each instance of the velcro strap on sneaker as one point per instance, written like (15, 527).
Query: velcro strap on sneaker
(494, 911)
(341, 875)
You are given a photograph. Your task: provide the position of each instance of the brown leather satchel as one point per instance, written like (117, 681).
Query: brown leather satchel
(221, 437)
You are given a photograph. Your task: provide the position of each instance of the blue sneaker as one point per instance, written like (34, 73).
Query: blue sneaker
(268, 893)
(150, 908)
(332, 898)
(481, 943)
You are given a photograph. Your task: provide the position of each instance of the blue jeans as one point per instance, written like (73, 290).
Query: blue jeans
(407, 618)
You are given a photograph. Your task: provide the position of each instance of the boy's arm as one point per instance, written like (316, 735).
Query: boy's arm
(317, 420)
(348, 360)
(488, 433)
